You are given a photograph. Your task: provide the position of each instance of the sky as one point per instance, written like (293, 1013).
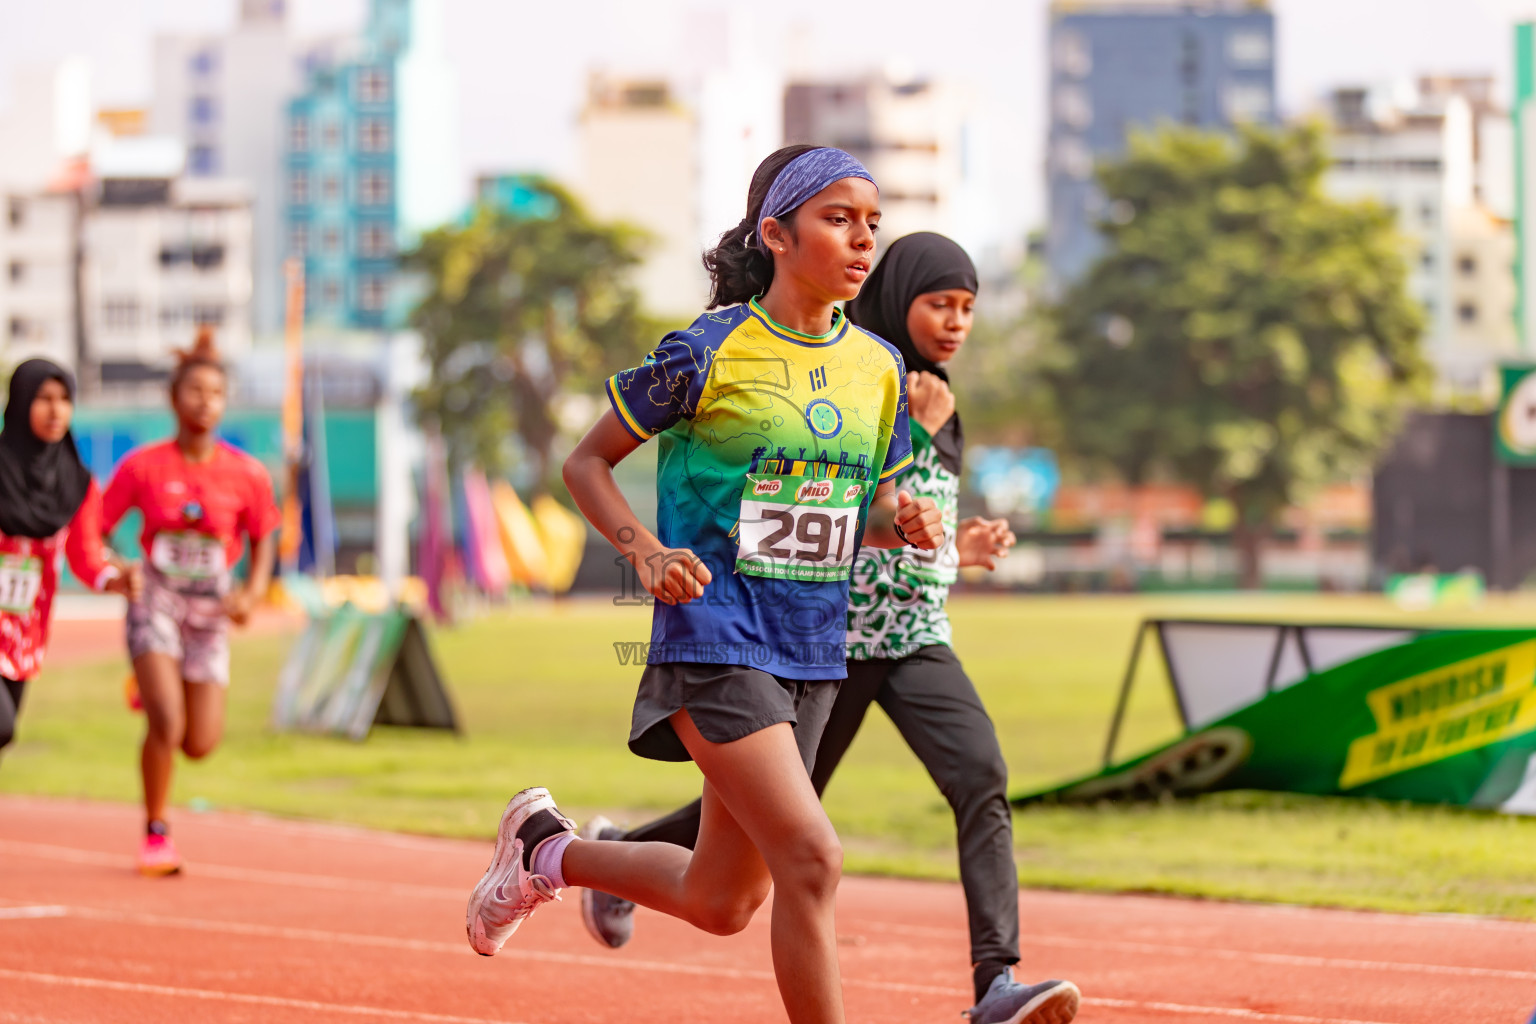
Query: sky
(522, 66)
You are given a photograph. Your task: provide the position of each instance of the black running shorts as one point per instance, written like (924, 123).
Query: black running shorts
(726, 702)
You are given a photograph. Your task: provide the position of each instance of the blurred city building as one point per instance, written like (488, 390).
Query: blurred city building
(639, 164)
(223, 96)
(1120, 65)
(162, 256)
(370, 162)
(45, 133)
(117, 261)
(738, 102)
(38, 285)
(1437, 153)
(47, 123)
(911, 134)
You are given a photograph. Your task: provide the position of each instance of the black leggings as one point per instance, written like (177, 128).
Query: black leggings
(10, 707)
(938, 712)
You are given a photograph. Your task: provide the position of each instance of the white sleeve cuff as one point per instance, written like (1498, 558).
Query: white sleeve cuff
(107, 575)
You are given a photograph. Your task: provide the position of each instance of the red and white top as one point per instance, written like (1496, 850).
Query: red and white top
(196, 514)
(29, 577)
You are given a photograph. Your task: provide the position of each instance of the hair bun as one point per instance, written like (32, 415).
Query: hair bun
(203, 351)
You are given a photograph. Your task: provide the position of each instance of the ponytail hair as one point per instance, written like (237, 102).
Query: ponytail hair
(202, 353)
(738, 269)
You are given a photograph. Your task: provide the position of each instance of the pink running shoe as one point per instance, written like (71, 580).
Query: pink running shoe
(158, 856)
(510, 891)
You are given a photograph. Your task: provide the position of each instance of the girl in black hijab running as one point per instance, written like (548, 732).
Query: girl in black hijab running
(920, 299)
(48, 504)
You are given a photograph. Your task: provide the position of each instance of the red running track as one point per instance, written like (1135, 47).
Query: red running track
(278, 922)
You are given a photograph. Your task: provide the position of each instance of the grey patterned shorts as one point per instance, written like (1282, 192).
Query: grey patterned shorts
(190, 627)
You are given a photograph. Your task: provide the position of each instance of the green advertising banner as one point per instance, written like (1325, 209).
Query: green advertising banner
(352, 670)
(1514, 433)
(1445, 717)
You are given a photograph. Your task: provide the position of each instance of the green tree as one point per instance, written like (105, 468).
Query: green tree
(519, 310)
(1242, 333)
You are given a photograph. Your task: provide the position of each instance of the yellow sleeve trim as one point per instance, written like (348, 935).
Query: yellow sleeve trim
(906, 460)
(624, 413)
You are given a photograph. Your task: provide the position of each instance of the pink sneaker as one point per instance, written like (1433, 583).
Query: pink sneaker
(158, 856)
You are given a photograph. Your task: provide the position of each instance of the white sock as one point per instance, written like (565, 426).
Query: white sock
(550, 857)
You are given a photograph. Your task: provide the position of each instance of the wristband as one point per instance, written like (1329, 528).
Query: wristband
(900, 533)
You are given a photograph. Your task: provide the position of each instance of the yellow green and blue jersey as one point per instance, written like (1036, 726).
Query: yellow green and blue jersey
(772, 444)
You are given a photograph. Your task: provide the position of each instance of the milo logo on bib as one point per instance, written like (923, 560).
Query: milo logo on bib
(797, 527)
(814, 490)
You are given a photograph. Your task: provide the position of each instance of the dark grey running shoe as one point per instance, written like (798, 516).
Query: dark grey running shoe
(611, 920)
(1008, 1002)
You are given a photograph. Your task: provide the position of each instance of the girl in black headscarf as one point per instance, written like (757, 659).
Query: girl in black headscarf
(919, 298)
(48, 502)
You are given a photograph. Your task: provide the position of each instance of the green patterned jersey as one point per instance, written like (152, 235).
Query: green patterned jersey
(897, 596)
(772, 444)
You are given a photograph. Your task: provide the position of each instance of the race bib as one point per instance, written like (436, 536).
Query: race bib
(798, 528)
(21, 580)
(187, 555)
(940, 566)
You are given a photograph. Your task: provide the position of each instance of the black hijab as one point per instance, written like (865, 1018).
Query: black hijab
(914, 265)
(41, 485)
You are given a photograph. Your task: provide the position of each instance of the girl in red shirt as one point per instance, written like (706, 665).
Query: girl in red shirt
(49, 506)
(201, 498)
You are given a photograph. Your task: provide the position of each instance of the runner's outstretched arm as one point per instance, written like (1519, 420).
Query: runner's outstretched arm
(672, 575)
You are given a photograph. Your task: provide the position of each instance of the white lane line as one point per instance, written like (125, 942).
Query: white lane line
(1431, 918)
(1232, 1013)
(607, 962)
(21, 913)
(1242, 955)
(141, 988)
(339, 884)
(339, 939)
(1287, 959)
(300, 880)
(342, 939)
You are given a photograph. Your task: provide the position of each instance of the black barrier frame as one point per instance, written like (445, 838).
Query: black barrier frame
(1283, 631)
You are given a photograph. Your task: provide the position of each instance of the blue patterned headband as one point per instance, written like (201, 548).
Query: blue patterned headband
(803, 177)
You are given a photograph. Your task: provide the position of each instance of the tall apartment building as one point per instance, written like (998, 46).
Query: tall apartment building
(1121, 65)
(1434, 153)
(224, 96)
(638, 164)
(910, 134)
(369, 163)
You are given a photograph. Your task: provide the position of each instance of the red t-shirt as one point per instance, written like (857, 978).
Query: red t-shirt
(29, 577)
(228, 497)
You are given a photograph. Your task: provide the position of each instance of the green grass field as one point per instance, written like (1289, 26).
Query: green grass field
(543, 701)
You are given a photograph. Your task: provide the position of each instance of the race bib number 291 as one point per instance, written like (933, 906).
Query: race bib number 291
(798, 528)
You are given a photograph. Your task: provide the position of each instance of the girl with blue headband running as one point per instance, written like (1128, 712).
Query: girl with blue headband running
(781, 429)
